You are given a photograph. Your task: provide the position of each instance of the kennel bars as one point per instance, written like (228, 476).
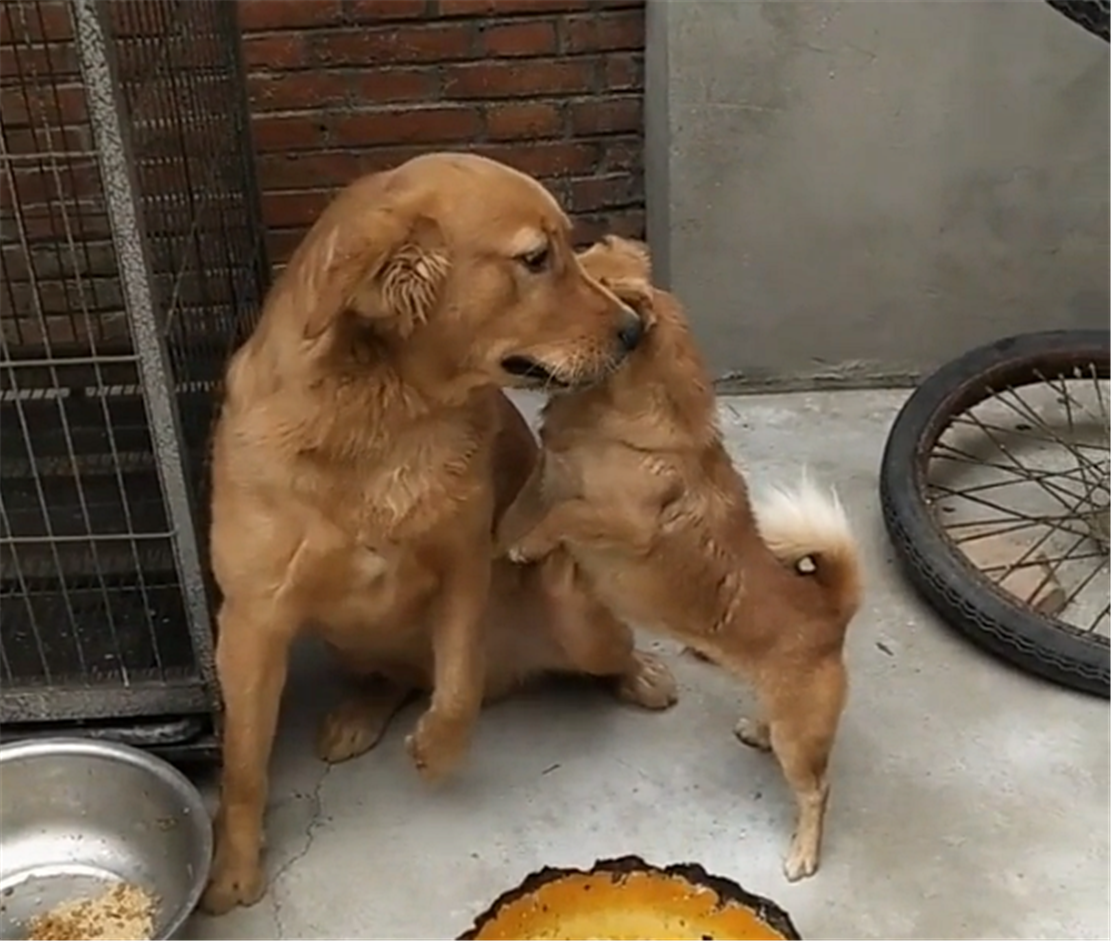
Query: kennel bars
(133, 261)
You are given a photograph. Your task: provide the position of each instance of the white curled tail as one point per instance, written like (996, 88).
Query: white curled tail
(807, 528)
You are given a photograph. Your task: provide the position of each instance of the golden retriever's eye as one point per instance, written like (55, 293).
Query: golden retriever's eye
(536, 261)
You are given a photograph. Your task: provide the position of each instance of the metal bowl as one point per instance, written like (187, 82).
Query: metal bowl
(78, 815)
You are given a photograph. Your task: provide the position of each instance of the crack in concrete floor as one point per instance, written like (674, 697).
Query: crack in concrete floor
(276, 888)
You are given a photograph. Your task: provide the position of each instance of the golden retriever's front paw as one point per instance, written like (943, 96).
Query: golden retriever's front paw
(438, 744)
(650, 685)
(232, 885)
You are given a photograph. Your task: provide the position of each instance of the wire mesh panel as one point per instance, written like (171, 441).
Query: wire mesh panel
(133, 262)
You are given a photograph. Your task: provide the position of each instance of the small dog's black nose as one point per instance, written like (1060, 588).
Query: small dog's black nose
(632, 330)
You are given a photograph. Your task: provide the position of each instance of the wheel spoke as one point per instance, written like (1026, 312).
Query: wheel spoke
(1034, 547)
(1023, 409)
(1099, 396)
(1021, 433)
(1067, 400)
(1018, 470)
(1010, 511)
(1018, 464)
(1047, 560)
(1008, 530)
(1088, 579)
(1066, 396)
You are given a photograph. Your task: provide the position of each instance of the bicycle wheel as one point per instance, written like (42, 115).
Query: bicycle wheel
(1094, 16)
(1009, 443)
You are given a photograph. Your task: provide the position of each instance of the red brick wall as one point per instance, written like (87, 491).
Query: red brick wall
(553, 87)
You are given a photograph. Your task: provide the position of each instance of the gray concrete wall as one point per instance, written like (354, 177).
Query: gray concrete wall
(857, 191)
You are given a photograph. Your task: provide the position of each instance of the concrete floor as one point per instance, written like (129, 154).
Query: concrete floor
(969, 801)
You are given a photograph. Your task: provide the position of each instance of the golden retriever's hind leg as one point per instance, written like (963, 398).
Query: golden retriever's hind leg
(803, 724)
(252, 654)
(358, 723)
(596, 643)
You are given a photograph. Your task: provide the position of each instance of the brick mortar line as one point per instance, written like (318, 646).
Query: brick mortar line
(467, 59)
(452, 104)
(482, 20)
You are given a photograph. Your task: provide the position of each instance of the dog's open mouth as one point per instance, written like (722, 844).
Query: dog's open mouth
(532, 372)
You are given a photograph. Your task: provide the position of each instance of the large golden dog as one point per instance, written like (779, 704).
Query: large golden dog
(363, 456)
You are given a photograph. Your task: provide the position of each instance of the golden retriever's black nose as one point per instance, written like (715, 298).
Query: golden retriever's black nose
(631, 331)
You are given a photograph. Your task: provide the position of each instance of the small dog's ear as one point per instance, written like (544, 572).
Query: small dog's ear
(617, 259)
(635, 251)
(389, 268)
(637, 294)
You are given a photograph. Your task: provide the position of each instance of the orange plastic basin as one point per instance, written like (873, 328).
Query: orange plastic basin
(629, 899)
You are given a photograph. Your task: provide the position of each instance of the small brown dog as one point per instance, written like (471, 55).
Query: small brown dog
(362, 459)
(634, 481)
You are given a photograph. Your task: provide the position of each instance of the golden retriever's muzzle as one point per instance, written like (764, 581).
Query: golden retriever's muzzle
(530, 371)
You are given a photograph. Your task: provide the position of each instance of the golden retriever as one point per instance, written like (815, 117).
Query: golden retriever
(634, 481)
(363, 455)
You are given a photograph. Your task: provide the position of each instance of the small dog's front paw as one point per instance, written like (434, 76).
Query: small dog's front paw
(801, 861)
(534, 547)
(517, 554)
(651, 685)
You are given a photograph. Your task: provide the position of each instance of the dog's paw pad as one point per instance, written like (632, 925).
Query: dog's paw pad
(651, 685)
(801, 862)
(437, 746)
(347, 731)
(226, 890)
(754, 734)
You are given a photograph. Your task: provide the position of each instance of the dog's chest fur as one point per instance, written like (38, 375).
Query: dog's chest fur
(423, 474)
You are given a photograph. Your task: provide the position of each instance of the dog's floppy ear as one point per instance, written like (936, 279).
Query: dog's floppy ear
(388, 267)
(636, 293)
(624, 267)
(617, 259)
(635, 253)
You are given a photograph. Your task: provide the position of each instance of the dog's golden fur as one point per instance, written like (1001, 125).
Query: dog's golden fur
(362, 459)
(635, 482)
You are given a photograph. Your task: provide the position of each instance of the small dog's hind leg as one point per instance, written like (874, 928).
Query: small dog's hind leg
(803, 725)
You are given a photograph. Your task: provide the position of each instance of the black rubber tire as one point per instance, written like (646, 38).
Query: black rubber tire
(958, 591)
(1094, 16)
